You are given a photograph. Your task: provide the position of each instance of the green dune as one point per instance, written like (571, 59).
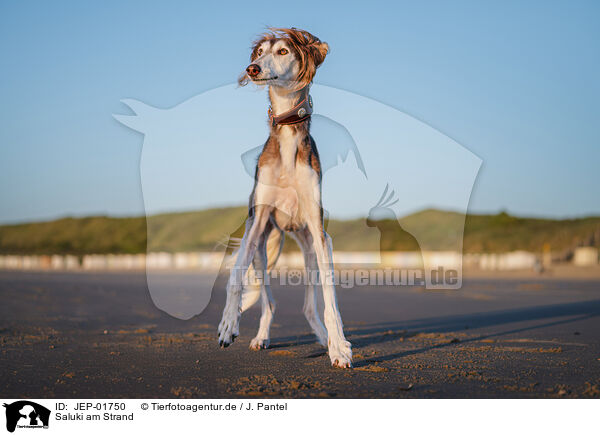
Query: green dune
(205, 229)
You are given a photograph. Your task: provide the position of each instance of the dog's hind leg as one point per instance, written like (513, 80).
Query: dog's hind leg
(304, 240)
(255, 226)
(251, 292)
(261, 341)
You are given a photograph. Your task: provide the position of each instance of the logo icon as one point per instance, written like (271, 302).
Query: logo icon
(26, 414)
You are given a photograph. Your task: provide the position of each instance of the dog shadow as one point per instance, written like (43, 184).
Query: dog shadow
(377, 333)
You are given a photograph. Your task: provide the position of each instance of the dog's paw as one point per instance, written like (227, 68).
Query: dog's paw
(228, 329)
(340, 354)
(259, 343)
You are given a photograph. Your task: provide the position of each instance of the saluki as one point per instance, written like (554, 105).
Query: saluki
(286, 195)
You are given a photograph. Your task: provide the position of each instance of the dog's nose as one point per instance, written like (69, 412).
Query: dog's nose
(253, 70)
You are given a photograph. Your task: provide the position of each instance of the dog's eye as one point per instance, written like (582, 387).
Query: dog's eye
(259, 52)
(282, 51)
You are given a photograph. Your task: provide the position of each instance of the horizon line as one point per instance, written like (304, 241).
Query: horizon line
(342, 219)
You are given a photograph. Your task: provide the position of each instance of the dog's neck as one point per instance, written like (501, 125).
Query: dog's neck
(283, 99)
(288, 137)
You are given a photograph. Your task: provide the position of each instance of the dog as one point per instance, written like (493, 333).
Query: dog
(286, 196)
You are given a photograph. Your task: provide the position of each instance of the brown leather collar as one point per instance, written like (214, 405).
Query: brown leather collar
(299, 113)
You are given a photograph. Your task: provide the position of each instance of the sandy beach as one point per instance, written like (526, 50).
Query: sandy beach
(85, 335)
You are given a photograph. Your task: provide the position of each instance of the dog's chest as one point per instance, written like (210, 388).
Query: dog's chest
(288, 184)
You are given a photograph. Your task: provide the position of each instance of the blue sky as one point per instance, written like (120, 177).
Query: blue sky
(514, 82)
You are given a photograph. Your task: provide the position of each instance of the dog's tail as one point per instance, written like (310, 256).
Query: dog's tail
(251, 292)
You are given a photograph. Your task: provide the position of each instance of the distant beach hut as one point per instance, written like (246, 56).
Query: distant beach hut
(585, 256)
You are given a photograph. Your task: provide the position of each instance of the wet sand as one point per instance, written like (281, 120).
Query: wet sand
(85, 335)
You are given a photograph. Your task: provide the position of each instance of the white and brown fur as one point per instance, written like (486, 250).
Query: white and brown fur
(286, 197)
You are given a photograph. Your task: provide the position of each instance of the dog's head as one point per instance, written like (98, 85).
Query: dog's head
(287, 58)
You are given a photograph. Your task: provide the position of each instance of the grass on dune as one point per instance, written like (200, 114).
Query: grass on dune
(203, 230)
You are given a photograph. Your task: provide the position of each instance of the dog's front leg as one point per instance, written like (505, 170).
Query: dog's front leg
(261, 341)
(340, 350)
(229, 326)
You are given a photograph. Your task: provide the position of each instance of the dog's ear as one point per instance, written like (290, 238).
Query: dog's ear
(321, 50)
(313, 56)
